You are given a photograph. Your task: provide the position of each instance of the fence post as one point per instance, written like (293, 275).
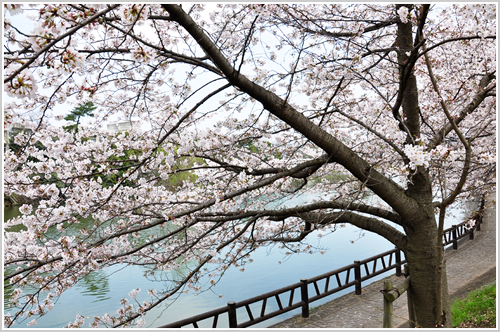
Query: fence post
(479, 214)
(357, 276)
(454, 233)
(483, 200)
(398, 262)
(233, 323)
(412, 316)
(471, 233)
(478, 218)
(305, 298)
(388, 306)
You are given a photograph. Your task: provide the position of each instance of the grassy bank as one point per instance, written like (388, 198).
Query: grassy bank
(478, 310)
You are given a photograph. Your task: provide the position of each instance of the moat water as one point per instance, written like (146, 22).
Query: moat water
(100, 292)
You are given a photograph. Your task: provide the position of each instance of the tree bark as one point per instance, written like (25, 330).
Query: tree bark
(422, 255)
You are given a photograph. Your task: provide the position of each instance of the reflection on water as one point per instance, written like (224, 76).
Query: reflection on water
(100, 292)
(10, 212)
(95, 285)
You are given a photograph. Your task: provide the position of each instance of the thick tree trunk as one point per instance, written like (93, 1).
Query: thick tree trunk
(423, 257)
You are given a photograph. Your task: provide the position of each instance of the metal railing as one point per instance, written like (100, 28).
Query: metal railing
(300, 294)
(334, 281)
(456, 232)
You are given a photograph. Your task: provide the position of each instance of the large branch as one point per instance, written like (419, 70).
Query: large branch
(369, 224)
(453, 40)
(421, 22)
(468, 150)
(385, 188)
(293, 212)
(301, 174)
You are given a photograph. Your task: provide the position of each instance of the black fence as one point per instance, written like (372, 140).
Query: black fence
(300, 294)
(456, 232)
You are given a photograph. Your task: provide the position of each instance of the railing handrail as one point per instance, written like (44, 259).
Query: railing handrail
(331, 273)
(197, 318)
(451, 232)
(291, 306)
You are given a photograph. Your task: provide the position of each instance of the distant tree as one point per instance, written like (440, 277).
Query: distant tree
(396, 101)
(77, 113)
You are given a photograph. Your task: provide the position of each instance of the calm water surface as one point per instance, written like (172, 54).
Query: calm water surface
(100, 292)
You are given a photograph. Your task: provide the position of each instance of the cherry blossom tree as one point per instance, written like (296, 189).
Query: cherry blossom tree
(243, 105)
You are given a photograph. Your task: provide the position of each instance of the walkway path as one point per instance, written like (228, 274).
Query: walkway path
(472, 265)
